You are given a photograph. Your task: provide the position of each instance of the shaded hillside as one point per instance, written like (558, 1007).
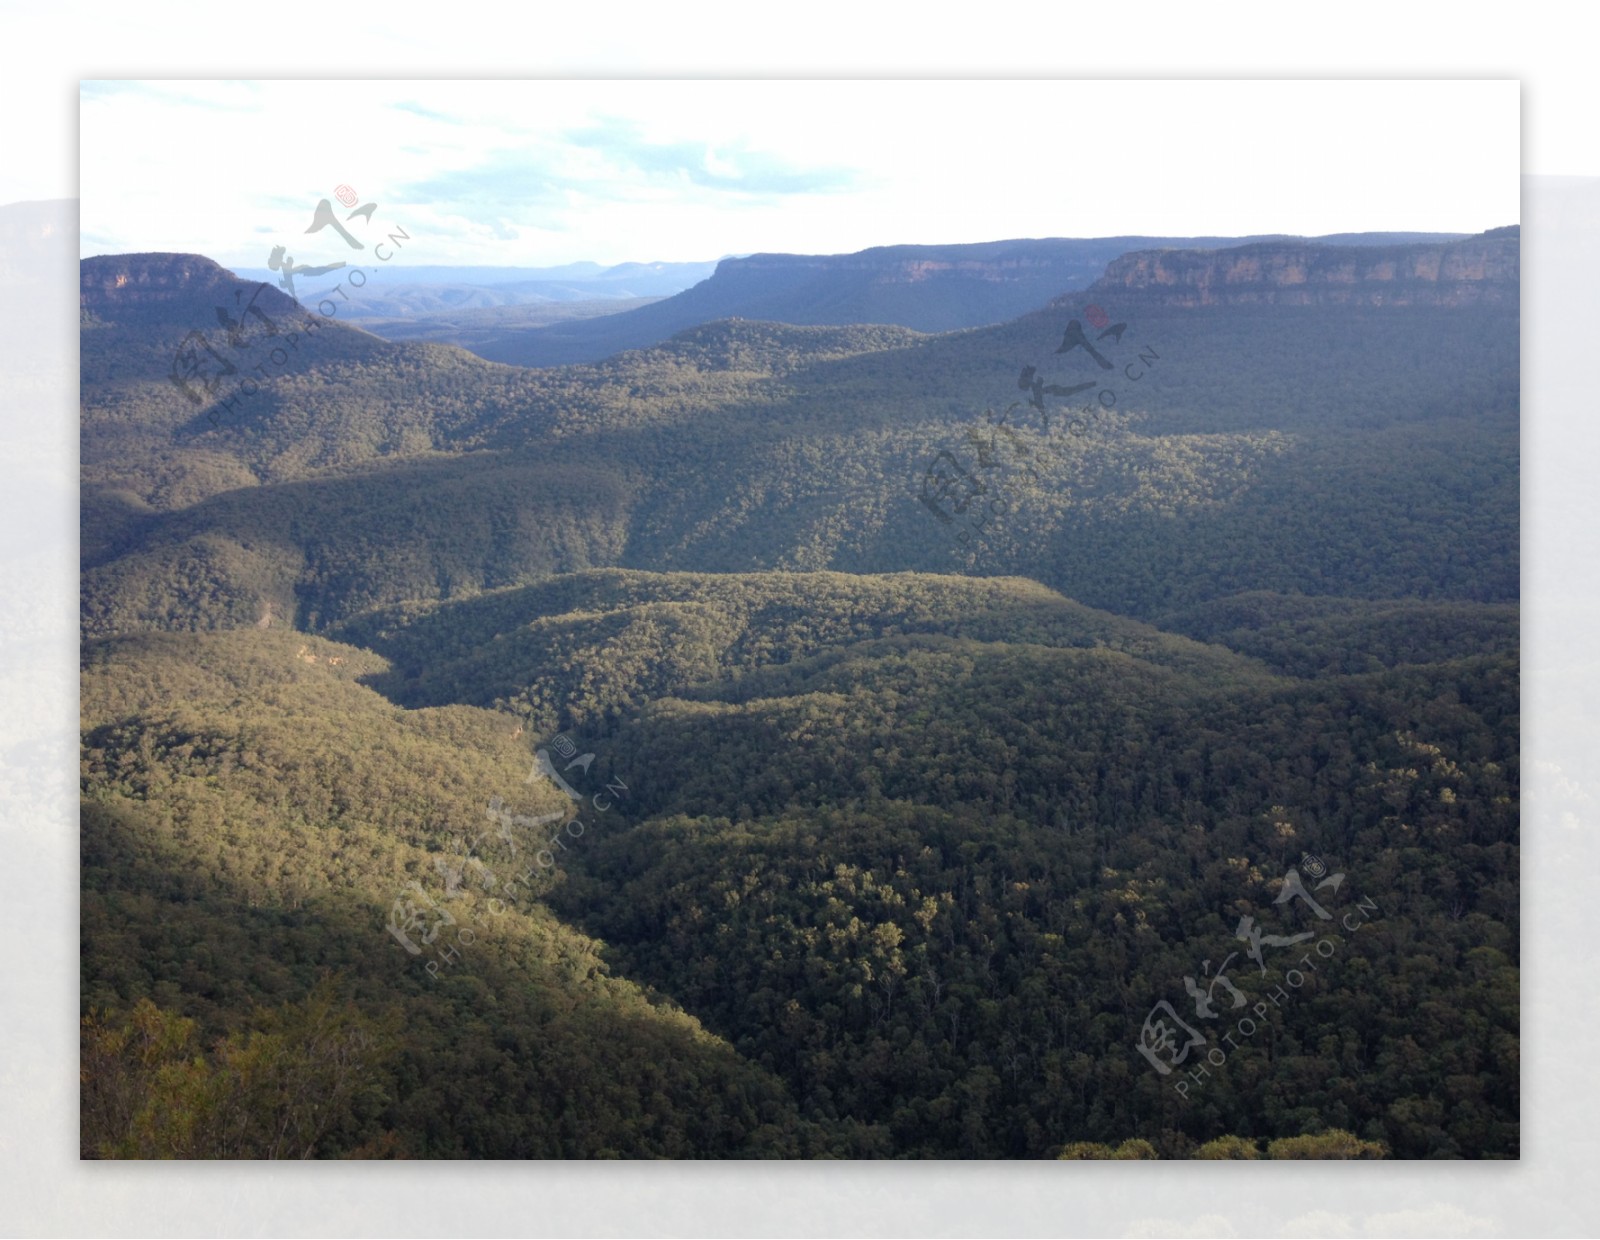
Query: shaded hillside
(917, 853)
(606, 642)
(950, 902)
(232, 859)
(1308, 636)
(930, 849)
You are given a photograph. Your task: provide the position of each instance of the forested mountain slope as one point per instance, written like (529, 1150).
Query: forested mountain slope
(1322, 449)
(793, 740)
(605, 642)
(912, 875)
(231, 861)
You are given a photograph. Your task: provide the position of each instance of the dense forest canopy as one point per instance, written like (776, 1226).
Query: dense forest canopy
(808, 740)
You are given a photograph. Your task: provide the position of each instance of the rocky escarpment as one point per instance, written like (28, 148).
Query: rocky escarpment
(158, 285)
(1482, 270)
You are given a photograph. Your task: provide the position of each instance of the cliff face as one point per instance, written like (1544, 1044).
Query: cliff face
(110, 287)
(1482, 270)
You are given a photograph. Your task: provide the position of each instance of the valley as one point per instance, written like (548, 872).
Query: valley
(900, 833)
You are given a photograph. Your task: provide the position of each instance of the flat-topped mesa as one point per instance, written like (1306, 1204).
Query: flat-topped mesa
(123, 280)
(1482, 270)
(161, 275)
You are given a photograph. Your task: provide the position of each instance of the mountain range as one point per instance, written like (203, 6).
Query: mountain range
(930, 288)
(429, 288)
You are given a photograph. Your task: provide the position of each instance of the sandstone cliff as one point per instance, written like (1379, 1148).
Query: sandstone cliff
(1480, 270)
(157, 284)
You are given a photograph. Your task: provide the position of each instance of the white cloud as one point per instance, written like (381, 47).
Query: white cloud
(527, 173)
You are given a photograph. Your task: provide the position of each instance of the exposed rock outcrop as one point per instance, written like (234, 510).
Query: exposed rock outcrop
(1479, 270)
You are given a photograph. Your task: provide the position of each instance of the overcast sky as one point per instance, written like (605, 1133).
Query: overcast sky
(540, 173)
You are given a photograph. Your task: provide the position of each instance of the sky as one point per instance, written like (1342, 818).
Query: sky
(520, 173)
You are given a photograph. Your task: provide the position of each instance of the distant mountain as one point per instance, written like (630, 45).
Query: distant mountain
(931, 288)
(1477, 270)
(472, 325)
(408, 292)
